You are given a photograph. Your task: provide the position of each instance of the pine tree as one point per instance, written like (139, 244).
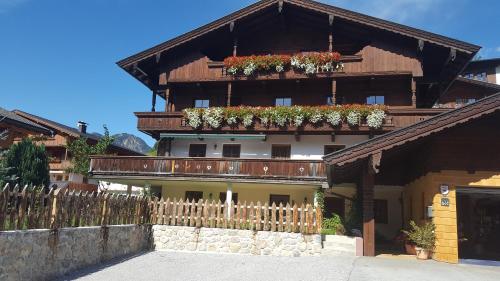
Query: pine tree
(25, 163)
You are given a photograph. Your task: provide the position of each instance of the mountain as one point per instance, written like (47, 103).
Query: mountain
(131, 142)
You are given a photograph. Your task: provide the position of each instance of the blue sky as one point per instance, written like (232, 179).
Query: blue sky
(57, 57)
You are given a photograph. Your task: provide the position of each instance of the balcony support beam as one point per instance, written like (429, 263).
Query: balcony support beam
(153, 102)
(366, 187)
(334, 91)
(229, 93)
(167, 99)
(413, 93)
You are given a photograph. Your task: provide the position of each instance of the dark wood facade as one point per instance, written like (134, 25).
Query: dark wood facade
(410, 68)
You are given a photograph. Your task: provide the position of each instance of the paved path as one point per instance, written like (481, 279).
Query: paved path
(200, 266)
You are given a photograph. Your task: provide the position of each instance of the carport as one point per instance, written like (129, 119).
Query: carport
(457, 150)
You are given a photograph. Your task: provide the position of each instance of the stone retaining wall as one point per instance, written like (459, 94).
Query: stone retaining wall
(184, 238)
(45, 254)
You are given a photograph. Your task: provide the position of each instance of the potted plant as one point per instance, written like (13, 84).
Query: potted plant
(423, 237)
(332, 226)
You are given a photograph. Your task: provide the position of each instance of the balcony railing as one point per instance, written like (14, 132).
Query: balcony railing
(270, 169)
(156, 122)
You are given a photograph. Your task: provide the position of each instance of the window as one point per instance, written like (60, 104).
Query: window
(231, 150)
(380, 211)
(201, 103)
(329, 100)
(283, 102)
(197, 150)
(281, 151)
(375, 100)
(331, 148)
(196, 195)
(234, 197)
(481, 76)
(278, 198)
(464, 101)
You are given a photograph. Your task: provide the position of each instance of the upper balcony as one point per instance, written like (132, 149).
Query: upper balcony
(154, 123)
(307, 171)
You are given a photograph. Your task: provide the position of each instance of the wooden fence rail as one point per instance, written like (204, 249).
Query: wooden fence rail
(305, 219)
(31, 208)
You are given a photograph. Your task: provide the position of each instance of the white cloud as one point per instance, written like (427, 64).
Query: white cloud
(396, 10)
(497, 49)
(6, 5)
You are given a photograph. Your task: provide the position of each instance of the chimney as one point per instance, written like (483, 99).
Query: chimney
(82, 127)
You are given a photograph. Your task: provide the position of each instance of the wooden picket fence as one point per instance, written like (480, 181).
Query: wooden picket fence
(32, 208)
(304, 219)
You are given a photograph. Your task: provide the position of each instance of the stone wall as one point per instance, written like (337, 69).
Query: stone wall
(45, 254)
(183, 238)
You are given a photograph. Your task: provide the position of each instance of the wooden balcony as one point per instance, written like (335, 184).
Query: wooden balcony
(153, 123)
(234, 168)
(56, 164)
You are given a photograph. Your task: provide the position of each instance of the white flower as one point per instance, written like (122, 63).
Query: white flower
(248, 120)
(231, 120)
(316, 117)
(280, 120)
(353, 118)
(298, 120)
(334, 118)
(310, 68)
(264, 120)
(213, 116)
(327, 67)
(232, 70)
(249, 69)
(375, 119)
(295, 62)
(280, 68)
(193, 117)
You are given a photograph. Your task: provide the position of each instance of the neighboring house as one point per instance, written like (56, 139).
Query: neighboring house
(487, 70)
(406, 69)
(14, 127)
(465, 91)
(60, 159)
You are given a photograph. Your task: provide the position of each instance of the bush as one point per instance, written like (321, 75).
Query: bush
(25, 163)
(423, 236)
(333, 225)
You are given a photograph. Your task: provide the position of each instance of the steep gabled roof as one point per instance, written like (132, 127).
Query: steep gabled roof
(414, 132)
(16, 120)
(311, 5)
(72, 132)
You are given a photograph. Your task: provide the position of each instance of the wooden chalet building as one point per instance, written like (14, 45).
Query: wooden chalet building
(226, 87)
(14, 127)
(55, 141)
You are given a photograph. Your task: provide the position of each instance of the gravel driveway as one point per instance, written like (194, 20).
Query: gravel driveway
(200, 266)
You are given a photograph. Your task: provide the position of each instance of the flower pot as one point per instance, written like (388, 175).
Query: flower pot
(410, 249)
(422, 254)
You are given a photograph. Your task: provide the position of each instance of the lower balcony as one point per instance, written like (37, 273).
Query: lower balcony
(192, 168)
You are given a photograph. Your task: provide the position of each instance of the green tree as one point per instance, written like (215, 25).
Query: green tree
(25, 163)
(81, 151)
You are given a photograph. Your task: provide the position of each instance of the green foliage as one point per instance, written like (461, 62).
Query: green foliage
(354, 216)
(81, 151)
(320, 199)
(25, 163)
(154, 150)
(423, 236)
(333, 225)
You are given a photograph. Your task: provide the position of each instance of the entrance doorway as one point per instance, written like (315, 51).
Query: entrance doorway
(478, 223)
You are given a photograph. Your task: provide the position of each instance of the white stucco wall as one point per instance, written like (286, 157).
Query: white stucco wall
(308, 147)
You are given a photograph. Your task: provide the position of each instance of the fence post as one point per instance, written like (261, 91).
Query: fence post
(4, 198)
(319, 219)
(104, 209)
